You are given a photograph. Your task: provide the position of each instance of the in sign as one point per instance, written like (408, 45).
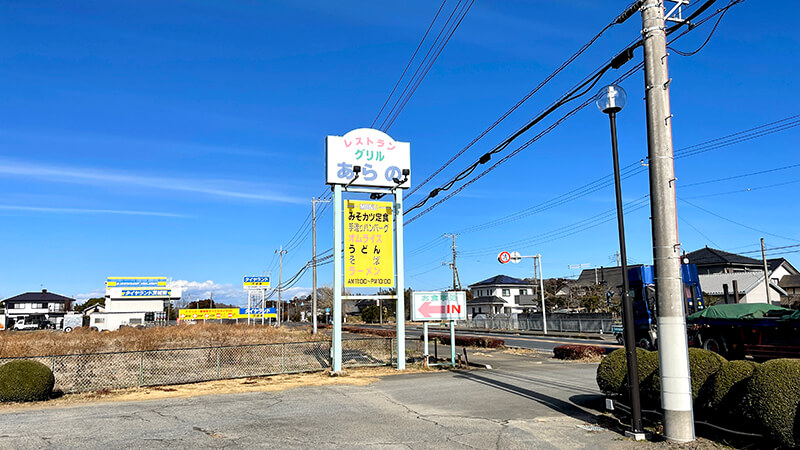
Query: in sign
(439, 306)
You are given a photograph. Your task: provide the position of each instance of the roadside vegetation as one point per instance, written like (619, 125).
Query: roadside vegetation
(742, 396)
(82, 340)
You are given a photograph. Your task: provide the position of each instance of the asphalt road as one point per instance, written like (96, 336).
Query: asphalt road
(527, 402)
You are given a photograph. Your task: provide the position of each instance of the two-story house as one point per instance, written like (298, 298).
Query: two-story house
(42, 304)
(502, 294)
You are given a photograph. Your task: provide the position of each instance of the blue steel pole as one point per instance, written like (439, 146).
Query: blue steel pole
(337, 279)
(398, 252)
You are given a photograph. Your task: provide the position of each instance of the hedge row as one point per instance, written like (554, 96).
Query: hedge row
(468, 341)
(372, 331)
(743, 395)
(578, 351)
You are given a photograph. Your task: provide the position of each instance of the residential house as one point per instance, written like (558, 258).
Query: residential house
(502, 294)
(42, 304)
(791, 284)
(749, 287)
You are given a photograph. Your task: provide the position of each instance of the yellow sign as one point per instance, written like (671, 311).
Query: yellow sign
(369, 244)
(222, 313)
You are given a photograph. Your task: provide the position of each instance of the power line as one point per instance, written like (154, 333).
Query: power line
(616, 62)
(405, 96)
(619, 19)
(735, 222)
(408, 64)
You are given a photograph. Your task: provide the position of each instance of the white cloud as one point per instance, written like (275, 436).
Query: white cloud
(87, 211)
(80, 298)
(90, 176)
(223, 293)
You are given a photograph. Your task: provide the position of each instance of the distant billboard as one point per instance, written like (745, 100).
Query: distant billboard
(143, 293)
(136, 282)
(226, 313)
(256, 283)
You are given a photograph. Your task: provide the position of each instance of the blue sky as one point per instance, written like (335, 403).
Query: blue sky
(185, 138)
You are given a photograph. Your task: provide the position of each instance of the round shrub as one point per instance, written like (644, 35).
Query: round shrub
(774, 396)
(25, 381)
(728, 388)
(703, 364)
(612, 373)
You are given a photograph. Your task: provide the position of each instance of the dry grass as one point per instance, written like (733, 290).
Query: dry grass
(82, 340)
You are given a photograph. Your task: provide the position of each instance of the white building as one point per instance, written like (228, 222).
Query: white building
(750, 285)
(501, 294)
(133, 301)
(43, 305)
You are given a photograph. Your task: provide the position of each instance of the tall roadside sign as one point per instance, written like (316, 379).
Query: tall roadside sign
(439, 306)
(256, 287)
(367, 161)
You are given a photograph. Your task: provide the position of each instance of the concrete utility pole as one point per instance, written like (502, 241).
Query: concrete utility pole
(766, 270)
(676, 388)
(314, 202)
(280, 253)
(456, 280)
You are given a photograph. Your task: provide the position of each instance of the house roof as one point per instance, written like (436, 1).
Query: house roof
(774, 263)
(42, 296)
(610, 276)
(498, 280)
(714, 257)
(486, 300)
(746, 282)
(789, 281)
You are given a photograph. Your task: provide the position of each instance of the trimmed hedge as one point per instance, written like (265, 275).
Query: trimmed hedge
(703, 364)
(773, 394)
(467, 341)
(612, 373)
(23, 380)
(728, 390)
(578, 351)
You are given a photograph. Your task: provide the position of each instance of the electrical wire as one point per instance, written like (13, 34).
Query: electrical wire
(526, 97)
(735, 222)
(591, 81)
(408, 64)
(416, 78)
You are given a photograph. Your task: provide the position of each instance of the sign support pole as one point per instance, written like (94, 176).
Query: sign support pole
(249, 298)
(425, 339)
(401, 310)
(453, 342)
(338, 274)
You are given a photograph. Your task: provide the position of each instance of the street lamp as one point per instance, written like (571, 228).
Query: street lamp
(611, 100)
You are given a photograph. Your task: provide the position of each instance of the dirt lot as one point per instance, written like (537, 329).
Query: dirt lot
(354, 377)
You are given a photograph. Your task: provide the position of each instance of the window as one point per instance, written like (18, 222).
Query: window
(99, 320)
(523, 292)
(38, 305)
(506, 292)
(136, 321)
(15, 306)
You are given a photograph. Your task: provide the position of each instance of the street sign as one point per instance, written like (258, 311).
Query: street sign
(255, 283)
(327, 310)
(380, 158)
(429, 306)
(369, 244)
(504, 257)
(516, 257)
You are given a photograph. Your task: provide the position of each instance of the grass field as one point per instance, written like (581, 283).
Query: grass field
(82, 340)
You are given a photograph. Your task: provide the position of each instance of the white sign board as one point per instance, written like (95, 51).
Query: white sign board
(439, 306)
(256, 283)
(380, 158)
(143, 293)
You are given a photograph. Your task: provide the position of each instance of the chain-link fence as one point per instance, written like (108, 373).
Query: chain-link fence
(95, 371)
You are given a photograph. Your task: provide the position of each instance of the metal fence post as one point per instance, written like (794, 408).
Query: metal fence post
(219, 349)
(391, 350)
(141, 368)
(283, 358)
(580, 330)
(53, 364)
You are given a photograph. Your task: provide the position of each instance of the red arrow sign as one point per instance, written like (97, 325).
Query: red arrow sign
(426, 309)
